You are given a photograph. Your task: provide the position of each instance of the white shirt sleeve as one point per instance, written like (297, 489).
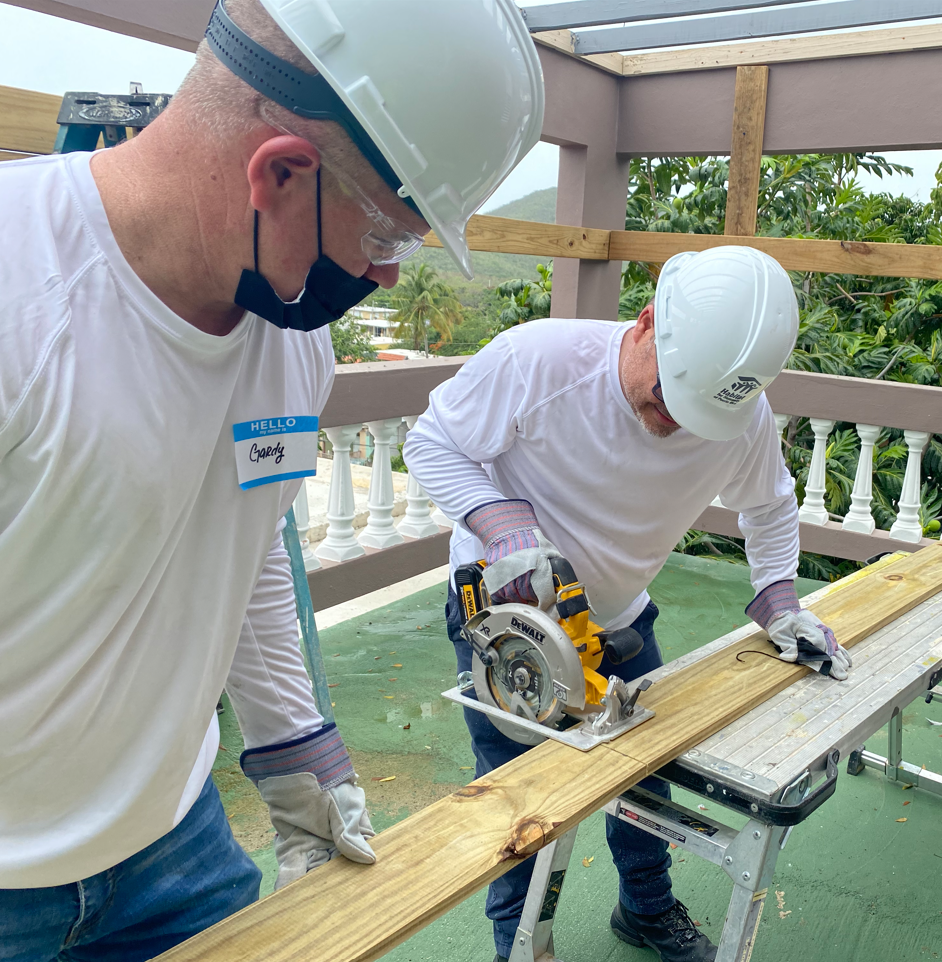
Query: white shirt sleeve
(764, 495)
(470, 420)
(268, 685)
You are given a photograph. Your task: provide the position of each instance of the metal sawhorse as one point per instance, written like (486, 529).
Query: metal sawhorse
(776, 765)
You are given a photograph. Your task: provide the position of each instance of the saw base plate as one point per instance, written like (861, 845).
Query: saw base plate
(579, 736)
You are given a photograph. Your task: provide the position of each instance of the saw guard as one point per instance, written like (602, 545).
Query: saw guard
(492, 625)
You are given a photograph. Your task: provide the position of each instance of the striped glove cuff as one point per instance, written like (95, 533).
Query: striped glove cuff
(776, 599)
(508, 521)
(323, 754)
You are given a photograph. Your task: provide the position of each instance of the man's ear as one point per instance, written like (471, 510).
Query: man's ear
(277, 167)
(644, 324)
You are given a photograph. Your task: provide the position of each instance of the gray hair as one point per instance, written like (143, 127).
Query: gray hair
(225, 106)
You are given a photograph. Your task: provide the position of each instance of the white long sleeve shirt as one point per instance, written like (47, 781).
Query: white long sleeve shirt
(539, 415)
(136, 576)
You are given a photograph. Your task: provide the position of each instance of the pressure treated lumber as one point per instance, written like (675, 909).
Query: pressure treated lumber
(507, 236)
(28, 120)
(794, 254)
(826, 46)
(433, 860)
(745, 162)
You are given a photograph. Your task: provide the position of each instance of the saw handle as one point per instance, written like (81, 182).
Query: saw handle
(621, 644)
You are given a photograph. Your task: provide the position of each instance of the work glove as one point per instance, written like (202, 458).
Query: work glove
(517, 555)
(797, 633)
(315, 805)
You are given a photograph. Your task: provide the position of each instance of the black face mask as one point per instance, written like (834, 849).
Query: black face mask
(329, 291)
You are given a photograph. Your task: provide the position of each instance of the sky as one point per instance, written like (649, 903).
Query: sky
(73, 56)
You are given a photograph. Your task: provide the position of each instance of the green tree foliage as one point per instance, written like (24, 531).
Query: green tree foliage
(351, 341)
(426, 308)
(874, 327)
(524, 300)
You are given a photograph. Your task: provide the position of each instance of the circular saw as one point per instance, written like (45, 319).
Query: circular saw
(534, 672)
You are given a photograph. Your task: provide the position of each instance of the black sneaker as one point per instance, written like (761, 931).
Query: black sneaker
(671, 934)
(500, 958)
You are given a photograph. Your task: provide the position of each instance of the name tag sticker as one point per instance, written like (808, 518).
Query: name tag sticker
(275, 449)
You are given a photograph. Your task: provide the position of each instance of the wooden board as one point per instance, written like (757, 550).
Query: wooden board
(561, 40)
(433, 860)
(745, 161)
(794, 254)
(785, 50)
(507, 236)
(28, 120)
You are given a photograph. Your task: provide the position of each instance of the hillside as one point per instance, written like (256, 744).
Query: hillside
(491, 269)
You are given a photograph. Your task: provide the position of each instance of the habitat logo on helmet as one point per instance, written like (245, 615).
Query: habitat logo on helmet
(725, 323)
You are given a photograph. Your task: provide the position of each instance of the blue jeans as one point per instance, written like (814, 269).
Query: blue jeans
(186, 881)
(641, 859)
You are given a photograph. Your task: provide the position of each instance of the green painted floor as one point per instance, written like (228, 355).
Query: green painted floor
(853, 884)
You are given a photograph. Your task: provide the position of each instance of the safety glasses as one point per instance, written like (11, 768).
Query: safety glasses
(389, 240)
(656, 390)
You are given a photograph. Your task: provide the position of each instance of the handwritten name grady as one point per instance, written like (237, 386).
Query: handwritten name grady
(259, 453)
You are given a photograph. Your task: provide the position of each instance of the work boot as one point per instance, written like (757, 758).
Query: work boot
(671, 934)
(500, 958)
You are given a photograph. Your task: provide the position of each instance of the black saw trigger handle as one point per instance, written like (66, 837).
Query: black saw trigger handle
(621, 644)
(563, 573)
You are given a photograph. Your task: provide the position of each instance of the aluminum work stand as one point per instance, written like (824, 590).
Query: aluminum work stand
(776, 765)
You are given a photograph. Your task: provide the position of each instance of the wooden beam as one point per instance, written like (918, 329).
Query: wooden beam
(821, 47)
(28, 120)
(507, 236)
(745, 162)
(794, 254)
(332, 584)
(430, 862)
(562, 41)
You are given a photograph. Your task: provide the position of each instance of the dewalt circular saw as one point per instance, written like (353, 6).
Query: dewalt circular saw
(535, 673)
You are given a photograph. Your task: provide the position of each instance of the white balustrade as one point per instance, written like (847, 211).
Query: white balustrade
(442, 519)
(781, 422)
(906, 527)
(380, 531)
(302, 517)
(859, 517)
(813, 510)
(340, 544)
(417, 522)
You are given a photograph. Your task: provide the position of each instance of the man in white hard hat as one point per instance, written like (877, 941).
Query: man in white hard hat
(163, 358)
(604, 442)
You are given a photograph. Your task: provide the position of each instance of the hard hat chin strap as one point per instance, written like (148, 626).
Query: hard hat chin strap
(307, 95)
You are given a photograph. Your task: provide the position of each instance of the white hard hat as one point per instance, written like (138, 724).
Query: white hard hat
(444, 97)
(725, 323)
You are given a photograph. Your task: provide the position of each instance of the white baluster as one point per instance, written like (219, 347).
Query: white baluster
(302, 517)
(340, 544)
(859, 517)
(781, 422)
(906, 527)
(417, 522)
(813, 510)
(379, 531)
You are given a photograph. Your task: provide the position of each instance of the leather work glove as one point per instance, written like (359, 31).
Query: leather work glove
(797, 633)
(517, 555)
(315, 805)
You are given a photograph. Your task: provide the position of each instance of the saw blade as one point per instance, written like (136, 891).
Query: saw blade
(521, 682)
(537, 674)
